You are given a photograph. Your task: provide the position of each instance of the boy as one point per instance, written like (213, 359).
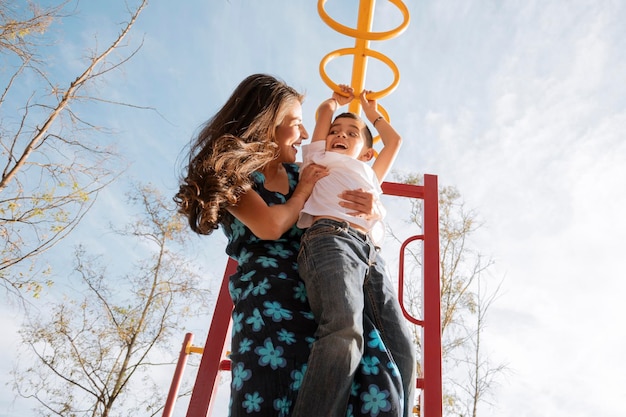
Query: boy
(344, 274)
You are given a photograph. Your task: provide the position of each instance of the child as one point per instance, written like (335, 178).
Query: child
(344, 274)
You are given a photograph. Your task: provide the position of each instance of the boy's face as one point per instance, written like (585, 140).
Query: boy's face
(346, 137)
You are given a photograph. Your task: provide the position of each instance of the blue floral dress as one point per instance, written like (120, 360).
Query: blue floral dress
(273, 328)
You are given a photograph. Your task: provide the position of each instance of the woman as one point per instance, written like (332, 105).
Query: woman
(242, 175)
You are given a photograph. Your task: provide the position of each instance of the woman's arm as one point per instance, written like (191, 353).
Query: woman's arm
(270, 222)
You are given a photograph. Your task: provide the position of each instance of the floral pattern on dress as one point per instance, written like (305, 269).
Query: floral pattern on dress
(273, 328)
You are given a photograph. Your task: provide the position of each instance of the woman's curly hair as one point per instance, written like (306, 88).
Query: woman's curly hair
(233, 144)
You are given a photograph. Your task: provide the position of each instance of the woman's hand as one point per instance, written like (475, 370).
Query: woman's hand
(362, 203)
(309, 175)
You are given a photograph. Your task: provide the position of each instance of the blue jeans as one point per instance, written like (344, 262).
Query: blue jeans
(346, 277)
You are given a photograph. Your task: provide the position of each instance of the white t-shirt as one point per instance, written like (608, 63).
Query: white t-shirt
(346, 173)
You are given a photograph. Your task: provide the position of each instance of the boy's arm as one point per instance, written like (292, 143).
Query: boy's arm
(327, 109)
(390, 138)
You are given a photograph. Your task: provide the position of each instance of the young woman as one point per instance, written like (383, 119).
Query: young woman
(242, 176)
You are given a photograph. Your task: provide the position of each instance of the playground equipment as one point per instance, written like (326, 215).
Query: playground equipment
(361, 51)
(429, 382)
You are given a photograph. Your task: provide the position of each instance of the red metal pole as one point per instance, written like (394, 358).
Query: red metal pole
(178, 374)
(431, 381)
(432, 393)
(207, 378)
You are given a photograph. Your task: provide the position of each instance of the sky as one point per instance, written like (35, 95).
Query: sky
(519, 105)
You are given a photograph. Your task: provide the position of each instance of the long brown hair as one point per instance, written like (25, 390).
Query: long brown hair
(235, 142)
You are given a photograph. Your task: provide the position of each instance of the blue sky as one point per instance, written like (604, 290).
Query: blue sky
(520, 105)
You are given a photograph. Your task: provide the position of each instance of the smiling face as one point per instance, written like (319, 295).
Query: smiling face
(346, 136)
(290, 132)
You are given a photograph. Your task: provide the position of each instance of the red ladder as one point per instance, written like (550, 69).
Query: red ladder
(430, 383)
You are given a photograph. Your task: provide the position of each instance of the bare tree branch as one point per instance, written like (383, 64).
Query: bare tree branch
(67, 97)
(464, 302)
(52, 170)
(100, 341)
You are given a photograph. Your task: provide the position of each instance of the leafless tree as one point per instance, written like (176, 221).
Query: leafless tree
(96, 351)
(19, 28)
(51, 162)
(464, 305)
(481, 374)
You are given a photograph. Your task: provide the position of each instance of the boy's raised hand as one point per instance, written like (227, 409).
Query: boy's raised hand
(370, 107)
(346, 95)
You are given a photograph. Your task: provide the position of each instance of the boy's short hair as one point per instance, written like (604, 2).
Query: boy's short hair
(366, 132)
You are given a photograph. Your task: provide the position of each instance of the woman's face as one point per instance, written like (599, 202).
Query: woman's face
(290, 133)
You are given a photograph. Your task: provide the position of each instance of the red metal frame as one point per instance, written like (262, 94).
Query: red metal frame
(213, 357)
(430, 383)
(178, 374)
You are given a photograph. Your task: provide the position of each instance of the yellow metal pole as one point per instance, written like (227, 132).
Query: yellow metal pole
(361, 46)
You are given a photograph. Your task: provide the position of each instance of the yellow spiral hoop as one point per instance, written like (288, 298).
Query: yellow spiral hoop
(363, 34)
(366, 52)
(366, 9)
